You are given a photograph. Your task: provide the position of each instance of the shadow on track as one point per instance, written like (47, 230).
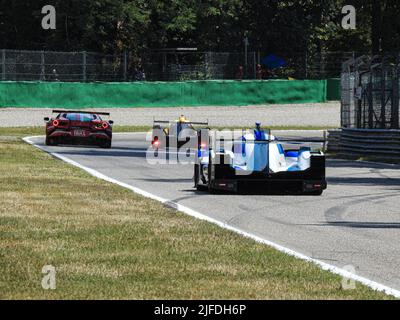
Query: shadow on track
(378, 181)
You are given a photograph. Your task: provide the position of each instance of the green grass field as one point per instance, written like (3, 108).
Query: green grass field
(109, 243)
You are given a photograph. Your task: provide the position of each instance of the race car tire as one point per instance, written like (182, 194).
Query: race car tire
(200, 187)
(315, 193)
(106, 145)
(196, 175)
(212, 190)
(50, 142)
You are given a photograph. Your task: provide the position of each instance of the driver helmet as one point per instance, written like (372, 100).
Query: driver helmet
(182, 118)
(259, 133)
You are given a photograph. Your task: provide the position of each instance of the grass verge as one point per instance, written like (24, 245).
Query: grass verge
(109, 243)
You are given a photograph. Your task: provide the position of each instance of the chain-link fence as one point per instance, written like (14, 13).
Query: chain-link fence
(184, 65)
(167, 65)
(61, 66)
(370, 92)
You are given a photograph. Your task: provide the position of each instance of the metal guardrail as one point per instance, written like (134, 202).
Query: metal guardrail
(379, 144)
(333, 141)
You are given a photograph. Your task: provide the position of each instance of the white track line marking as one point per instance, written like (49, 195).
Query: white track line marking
(324, 266)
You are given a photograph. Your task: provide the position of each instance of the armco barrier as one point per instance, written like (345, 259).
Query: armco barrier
(379, 144)
(334, 140)
(160, 94)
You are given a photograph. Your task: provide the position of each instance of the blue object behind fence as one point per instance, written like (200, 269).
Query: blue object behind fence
(273, 62)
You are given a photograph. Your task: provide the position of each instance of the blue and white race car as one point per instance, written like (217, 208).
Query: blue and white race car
(258, 162)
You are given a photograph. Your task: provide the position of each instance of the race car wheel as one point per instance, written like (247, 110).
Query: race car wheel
(315, 193)
(106, 145)
(198, 186)
(201, 188)
(212, 190)
(50, 141)
(196, 175)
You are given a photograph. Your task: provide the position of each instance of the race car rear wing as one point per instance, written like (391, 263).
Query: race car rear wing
(277, 140)
(78, 111)
(272, 141)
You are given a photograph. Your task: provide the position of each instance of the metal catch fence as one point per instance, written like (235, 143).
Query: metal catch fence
(167, 65)
(370, 92)
(60, 66)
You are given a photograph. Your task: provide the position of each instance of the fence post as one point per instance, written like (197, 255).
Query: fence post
(306, 64)
(3, 64)
(255, 65)
(395, 96)
(125, 65)
(360, 122)
(383, 96)
(84, 66)
(42, 67)
(208, 68)
(370, 101)
(246, 45)
(323, 65)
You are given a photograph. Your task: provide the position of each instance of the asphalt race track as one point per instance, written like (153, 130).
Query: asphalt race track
(355, 223)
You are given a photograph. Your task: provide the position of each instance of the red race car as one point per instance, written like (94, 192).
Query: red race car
(78, 127)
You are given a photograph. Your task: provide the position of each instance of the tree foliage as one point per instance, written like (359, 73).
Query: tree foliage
(210, 25)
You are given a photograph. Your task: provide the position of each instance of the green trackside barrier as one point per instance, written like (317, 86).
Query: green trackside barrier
(160, 94)
(333, 89)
